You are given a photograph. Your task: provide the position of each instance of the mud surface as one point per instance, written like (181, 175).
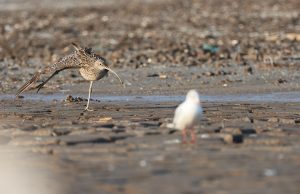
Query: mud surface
(246, 51)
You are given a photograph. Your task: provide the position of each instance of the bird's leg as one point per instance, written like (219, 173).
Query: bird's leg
(183, 136)
(88, 103)
(193, 136)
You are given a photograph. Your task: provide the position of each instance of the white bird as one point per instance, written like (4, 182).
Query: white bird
(188, 115)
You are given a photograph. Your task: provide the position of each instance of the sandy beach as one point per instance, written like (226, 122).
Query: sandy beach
(242, 56)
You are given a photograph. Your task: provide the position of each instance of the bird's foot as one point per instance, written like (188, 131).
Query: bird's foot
(193, 137)
(183, 133)
(193, 141)
(87, 109)
(183, 142)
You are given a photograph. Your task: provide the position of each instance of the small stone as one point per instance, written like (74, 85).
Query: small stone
(143, 163)
(69, 98)
(42, 132)
(247, 119)
(108, 125)
(248, 131)
(84, 138)
(60, 132)
(105, 119)
(270, 172)
(281, 81)
(249, 70)
(287, 121)
(152, 132)
(30, 128)
(163, 76)
(172, 141)
(229, 138)
(259, 122)
(153, 75)
(205, 136)
(231, 130)
(273, 119)
(208, 73)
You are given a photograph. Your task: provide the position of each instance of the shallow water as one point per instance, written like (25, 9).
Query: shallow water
(265, 97)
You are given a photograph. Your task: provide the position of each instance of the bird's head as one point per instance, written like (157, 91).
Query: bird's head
(99, 61)
(193, 96)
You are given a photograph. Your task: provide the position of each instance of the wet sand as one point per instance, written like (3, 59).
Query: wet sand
(125, 147)
(248, 140)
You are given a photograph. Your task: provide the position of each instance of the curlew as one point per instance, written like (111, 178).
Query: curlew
(92, 67)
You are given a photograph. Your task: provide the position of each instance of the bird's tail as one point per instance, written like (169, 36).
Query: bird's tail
(27, 84)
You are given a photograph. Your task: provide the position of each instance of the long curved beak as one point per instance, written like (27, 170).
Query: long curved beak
(109, 69)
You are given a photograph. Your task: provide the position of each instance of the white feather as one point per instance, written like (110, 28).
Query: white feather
(188, 113)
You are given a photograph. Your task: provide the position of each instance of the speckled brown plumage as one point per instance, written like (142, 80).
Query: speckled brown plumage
(91, 66)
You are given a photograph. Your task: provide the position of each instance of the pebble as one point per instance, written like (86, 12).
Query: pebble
(143, 163)
(273, 119)
(60, 132)
(270, 172)
(84, 138)
(42, 132)
(29, 128)
(70, 98)
(172, 141)
(105, 119)
(233, 138)
(287, 121)
(231, 130)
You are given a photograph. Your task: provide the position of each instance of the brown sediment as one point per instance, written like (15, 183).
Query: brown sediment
(158, 48)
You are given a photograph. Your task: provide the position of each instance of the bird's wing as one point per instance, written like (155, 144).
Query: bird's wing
(68, 62)
(178, 113)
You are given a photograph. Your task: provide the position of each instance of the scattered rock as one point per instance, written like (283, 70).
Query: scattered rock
(247, 119)
(287, 121)
(108, 125)
(30, 128)
(231, 130)
(153, 132)
(153, 75)
(105, 119)
(172, 141)
(281, 81)
(233, 138)
(249, 70)
(84, 138)
(163, 76)
(60, 132)
(273, 119)
(42, 132)
(70, 98)
(19, 97)
(248, 131)
(270, 172)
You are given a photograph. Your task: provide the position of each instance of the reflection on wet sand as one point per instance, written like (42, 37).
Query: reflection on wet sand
(251, 97)
(26, 173)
